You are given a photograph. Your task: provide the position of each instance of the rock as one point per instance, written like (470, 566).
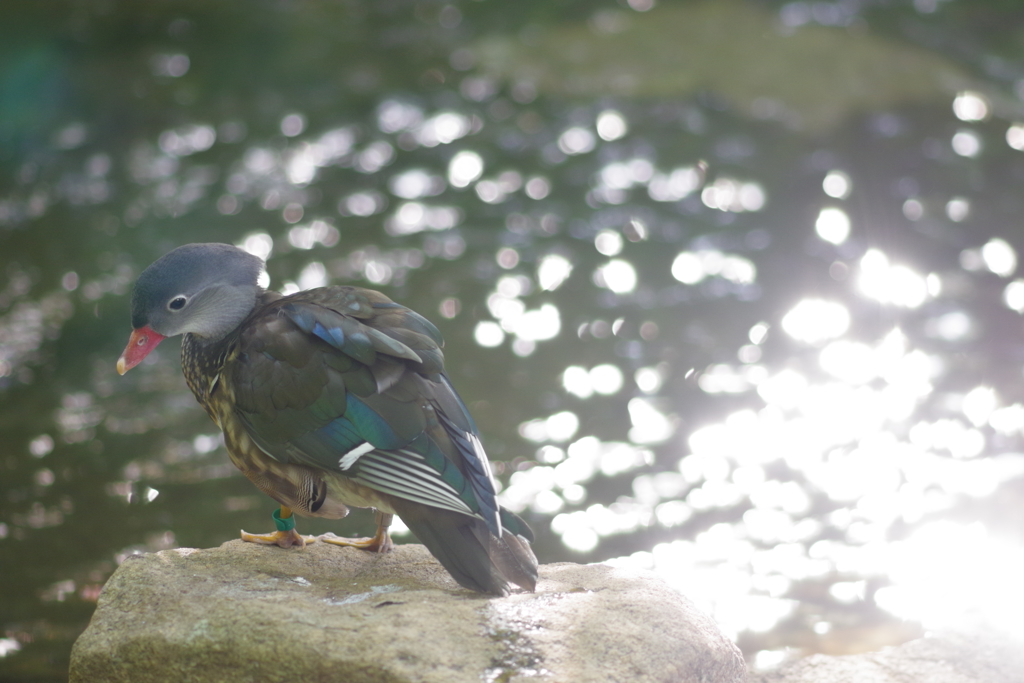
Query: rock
(980, 657)
(244, 612)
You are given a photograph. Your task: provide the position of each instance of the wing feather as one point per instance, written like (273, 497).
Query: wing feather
(323, 372)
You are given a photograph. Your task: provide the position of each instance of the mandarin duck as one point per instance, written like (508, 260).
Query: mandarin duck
(329, 398)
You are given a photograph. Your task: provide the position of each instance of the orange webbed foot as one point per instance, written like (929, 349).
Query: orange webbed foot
(286, 536)
(380, 543)
(285, 539)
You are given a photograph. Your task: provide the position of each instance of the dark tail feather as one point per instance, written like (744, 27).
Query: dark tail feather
(514, 523)
(515, 560)
(466, 548)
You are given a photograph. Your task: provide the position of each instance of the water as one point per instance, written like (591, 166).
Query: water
(730, 288)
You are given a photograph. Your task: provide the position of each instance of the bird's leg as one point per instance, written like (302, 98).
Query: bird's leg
(380, 543)
(285, 536)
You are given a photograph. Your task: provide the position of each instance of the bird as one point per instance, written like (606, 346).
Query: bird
(329, 398)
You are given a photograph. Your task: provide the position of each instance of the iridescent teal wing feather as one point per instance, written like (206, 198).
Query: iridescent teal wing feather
(345, 380)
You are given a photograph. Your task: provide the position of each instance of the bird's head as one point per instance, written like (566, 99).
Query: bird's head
(202, 289)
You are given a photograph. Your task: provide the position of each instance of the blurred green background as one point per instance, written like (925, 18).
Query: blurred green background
(729, 286)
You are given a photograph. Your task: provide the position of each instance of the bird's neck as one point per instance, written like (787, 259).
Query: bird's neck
(203, 356)
(210, 345)
(220, 310)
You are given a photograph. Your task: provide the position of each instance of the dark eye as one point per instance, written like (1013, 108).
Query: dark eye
(177, 303)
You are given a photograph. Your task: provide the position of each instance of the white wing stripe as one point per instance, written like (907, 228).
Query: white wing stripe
(413, 488)
(411, 454)
(481, 455)
(413, 468)
(384, 474)
(413, 495)
(346, 461)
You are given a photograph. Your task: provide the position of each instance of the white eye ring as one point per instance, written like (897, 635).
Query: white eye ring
(177, 303)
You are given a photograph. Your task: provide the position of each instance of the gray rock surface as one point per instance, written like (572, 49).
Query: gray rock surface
(980, 657)
(244, 612)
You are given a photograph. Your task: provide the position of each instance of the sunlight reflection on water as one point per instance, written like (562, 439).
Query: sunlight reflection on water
(858, 437)
(833, 461)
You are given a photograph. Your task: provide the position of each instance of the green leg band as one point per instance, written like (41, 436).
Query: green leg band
(283, 524)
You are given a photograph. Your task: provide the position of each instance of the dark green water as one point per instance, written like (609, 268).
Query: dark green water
(527, 175)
